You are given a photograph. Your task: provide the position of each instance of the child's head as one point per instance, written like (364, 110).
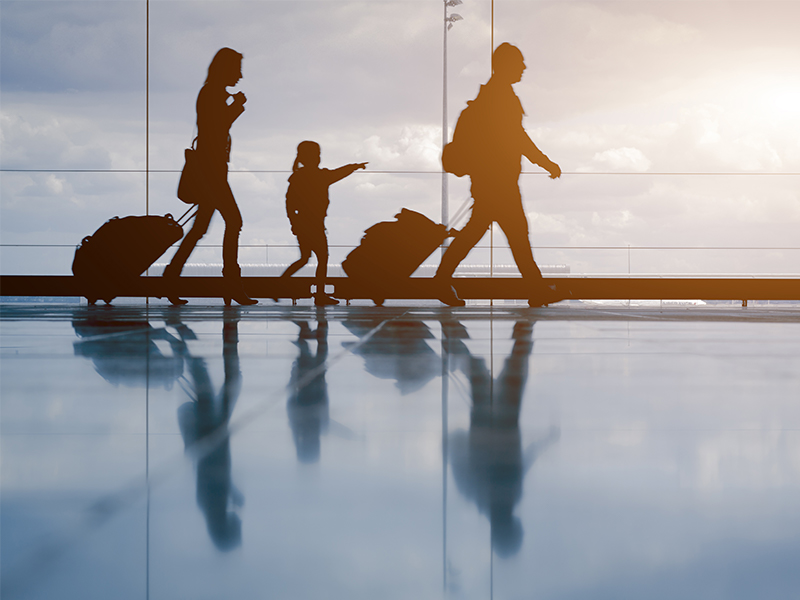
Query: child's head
(308, 155)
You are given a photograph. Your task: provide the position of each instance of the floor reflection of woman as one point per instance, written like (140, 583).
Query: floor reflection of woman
(204, 427)
(214, 119)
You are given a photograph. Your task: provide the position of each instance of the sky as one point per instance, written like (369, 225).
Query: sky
(676, 123)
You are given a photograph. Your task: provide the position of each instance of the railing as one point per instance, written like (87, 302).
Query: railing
(623, 260)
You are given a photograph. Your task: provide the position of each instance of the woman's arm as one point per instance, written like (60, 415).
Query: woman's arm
(235, 108)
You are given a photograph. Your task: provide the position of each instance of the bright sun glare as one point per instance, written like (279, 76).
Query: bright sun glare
(783, 102)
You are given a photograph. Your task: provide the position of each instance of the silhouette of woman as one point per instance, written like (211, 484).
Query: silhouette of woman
(214, 119)
(306, 206)
(204, 422)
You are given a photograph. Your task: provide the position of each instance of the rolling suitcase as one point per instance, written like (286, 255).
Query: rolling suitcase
(392, 250)
(121, 250)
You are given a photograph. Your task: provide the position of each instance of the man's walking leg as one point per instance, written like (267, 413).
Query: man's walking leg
(516, 229)
(464, 241)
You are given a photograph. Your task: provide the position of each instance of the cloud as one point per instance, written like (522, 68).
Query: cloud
(62, 46)
(621, 159)
(52, 142)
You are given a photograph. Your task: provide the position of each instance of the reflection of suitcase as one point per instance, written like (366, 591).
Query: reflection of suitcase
(121, 250)
(393, 250)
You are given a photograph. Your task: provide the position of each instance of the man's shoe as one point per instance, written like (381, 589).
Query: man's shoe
(324, 300)
(447, 294)
(547, 294)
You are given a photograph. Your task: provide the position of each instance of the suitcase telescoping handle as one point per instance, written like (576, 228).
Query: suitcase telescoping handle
(181, 221)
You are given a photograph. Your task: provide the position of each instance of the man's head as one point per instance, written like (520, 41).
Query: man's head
(507, 63)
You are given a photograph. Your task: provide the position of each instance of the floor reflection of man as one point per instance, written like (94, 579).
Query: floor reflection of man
(204, 426)
(488, 463)
(308, 392)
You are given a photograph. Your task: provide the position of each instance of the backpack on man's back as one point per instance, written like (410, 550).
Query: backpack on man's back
(459, 156)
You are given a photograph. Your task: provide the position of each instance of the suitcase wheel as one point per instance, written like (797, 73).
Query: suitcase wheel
(379, 301)
(92, 301)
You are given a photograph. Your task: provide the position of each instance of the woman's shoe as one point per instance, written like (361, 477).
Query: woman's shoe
(171, 282)
(233, 281)
(241, 298)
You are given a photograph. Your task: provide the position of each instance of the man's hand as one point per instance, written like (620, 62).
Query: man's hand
(554, 170)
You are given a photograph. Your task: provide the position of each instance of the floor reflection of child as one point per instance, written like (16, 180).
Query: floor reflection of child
(307, 205)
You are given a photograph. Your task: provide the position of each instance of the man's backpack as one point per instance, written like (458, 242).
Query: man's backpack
(459, 155)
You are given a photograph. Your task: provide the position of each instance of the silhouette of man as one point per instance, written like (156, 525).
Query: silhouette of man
(497, 145)
(488, 462)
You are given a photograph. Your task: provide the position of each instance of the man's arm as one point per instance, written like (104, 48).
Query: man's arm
(537, 157)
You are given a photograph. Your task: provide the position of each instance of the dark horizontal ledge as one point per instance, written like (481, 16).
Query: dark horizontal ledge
(471, 288)
(422, 172)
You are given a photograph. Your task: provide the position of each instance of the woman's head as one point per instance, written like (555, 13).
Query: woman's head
(225, 67)
(308, 155)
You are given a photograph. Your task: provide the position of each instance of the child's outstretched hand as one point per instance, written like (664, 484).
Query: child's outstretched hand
(361, 165)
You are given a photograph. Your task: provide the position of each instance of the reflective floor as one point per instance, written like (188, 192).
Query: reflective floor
(354, 452)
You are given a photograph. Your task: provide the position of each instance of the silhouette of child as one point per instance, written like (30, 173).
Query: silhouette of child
(306, 206)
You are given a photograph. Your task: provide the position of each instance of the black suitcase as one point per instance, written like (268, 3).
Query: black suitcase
(392, 250)
(121, 250)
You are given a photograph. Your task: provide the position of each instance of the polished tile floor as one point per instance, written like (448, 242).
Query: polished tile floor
(396, 452)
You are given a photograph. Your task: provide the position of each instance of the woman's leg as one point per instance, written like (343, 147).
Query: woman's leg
(226, 205)
(198, 230)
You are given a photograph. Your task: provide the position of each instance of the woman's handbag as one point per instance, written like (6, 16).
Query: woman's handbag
(192, 185)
